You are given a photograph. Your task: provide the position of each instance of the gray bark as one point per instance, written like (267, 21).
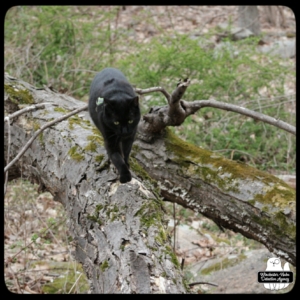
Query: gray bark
(120, 229)
(275, 15)
(248, 17)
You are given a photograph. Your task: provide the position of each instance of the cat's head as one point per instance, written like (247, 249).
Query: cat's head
(122, 115)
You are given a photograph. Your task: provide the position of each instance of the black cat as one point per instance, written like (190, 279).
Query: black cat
(114, 108)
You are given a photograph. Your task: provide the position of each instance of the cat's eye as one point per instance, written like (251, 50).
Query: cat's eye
(116, 123)
(130, 121)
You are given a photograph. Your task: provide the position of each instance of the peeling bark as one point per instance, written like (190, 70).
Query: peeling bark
(120, 229)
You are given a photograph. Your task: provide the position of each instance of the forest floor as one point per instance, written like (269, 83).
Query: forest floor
(36, 239)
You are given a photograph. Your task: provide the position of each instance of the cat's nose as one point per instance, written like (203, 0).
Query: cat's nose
(124, 130)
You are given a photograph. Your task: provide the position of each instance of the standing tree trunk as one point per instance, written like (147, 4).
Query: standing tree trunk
(248, 17)
(120, 229)
(275, 15)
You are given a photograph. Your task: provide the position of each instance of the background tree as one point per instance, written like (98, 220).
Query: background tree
(248, 17)
(275, 15)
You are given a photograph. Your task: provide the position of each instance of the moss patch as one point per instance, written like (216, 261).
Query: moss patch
(280, 224)
(104, 266)
(140, 172)
(281, 198)
(78, 121)
(150, 213)
(60, 109)
(226, 263)
(41, 138)
(67, 278)
(277, 196)
(113, 213)
(18, 96)
(96, 138)
(95, 218)
(74, 154)
(92, 147)
(99, 158)
(36, 125)
(213, 168)
(173, 257)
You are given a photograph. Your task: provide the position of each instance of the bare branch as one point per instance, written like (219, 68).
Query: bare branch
(74, 283)
(39, 235)
(171, 115)
(27, 109)
(180, 90)
(74, 112)
(192, 107)
(153, 89)
(175, 113)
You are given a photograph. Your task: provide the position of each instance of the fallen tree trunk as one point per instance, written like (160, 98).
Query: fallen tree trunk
(234, 195)
(120, 229)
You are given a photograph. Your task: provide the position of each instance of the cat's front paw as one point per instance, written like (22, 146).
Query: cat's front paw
(125, 177)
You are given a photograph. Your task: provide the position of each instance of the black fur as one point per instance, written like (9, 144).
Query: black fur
(114, 108)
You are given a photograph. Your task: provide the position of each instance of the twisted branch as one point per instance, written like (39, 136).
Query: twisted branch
(178, 110)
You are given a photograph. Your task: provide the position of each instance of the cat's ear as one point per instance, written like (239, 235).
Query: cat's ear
(136, 100)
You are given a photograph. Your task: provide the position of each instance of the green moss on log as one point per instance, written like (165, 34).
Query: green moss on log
(226, 174)
(18, 96)
(74, 154)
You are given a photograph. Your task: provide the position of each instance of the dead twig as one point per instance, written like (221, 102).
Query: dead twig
(32, 242)
(74, 283)
(17, 284)
(175, 113)
(192, 107)
(153, 89)
(27, 109)
(20, 154)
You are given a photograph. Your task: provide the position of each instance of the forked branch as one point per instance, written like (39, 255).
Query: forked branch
(178, 110)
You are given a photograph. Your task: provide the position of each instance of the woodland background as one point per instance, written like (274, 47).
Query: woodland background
(63, 47)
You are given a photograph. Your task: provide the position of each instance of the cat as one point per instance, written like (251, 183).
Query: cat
(114, 109)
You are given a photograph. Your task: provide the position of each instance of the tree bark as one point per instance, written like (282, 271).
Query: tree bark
(120, 229)
(275, 15)
(248, 17)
